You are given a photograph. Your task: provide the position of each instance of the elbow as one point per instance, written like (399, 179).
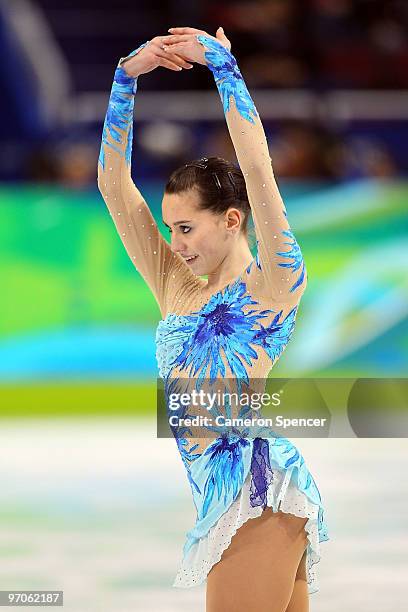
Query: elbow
(107, 186)
(101, 180)
(100, 170)
(101, 185)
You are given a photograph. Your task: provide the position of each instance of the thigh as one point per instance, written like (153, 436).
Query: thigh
(257, 571)
(299, 601)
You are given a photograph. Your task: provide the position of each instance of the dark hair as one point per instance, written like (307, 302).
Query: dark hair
(219, 182)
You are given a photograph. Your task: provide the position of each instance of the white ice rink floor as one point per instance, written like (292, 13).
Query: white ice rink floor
(99, 508)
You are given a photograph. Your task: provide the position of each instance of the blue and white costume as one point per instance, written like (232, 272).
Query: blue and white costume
(238, 333)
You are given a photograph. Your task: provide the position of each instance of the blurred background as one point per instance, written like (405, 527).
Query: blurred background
(78, 371)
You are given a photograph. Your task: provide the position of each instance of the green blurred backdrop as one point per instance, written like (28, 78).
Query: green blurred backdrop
(78, 322)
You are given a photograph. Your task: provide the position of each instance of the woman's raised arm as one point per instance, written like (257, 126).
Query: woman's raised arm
(148, 250)
(279, 271)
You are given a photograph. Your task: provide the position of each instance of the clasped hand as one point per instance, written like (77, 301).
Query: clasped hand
(175, 51)
(183, 41)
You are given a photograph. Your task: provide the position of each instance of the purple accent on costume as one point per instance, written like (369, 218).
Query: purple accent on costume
(261, 471)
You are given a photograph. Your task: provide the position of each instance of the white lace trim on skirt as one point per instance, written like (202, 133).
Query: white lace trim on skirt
(282, 495)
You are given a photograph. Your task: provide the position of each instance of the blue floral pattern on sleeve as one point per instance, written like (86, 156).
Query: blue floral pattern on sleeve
(228, 78)
(295, 254)
(119, 115)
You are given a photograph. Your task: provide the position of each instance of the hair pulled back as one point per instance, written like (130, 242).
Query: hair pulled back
(220, 185)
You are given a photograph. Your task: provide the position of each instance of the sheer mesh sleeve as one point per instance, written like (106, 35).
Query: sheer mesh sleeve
(166, 273)
(278, 270)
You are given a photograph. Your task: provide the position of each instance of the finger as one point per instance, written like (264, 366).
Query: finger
(159, 47)
(185, 31)
(177, 48)
(173, 38)
(174, 58)
(168, 64)
(187, 64)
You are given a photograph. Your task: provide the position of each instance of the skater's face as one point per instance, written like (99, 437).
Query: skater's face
(199, 234)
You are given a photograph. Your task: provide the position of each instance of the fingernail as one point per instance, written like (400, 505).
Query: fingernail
(170, 30)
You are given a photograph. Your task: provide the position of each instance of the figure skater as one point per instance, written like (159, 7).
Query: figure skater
(260, 517)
